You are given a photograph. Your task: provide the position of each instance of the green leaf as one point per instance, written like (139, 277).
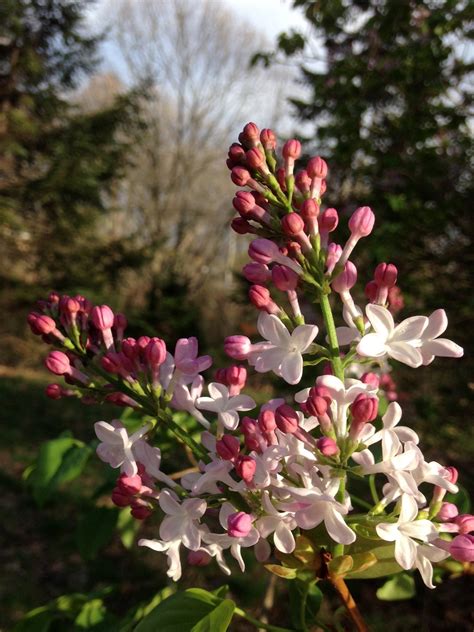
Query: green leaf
(194, 610)
(313, 601)
(385, 564)
(281, 571)
(92, 613)
(341, 565)
(138, 613)
(48, 464)
(95, 530)
(397, 588)
(38, 620)
(462, 499)
(127, 527)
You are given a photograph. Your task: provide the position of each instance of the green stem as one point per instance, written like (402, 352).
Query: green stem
(182, 435)
(304, 599)
(259, 624)
(373, 489)
(339, 548)
(360, 502)
(332, 337)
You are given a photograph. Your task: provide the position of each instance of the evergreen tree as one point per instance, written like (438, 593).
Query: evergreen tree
(387, 95)
(57, 162)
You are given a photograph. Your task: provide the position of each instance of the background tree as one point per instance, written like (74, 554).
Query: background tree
(387, 104)
(176, 193)
(58, 160)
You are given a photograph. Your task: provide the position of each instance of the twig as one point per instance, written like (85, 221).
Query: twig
(347, 599)
(188, 470)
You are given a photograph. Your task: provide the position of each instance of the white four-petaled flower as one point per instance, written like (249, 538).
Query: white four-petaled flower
(224, 405)
(283, 352)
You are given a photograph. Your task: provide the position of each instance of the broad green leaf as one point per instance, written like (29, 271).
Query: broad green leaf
(127, 527)
(49, 461)
(72, 464)
(313, 601)
(194, 610)
(139, 612)
(95, 530)
(462, 499)
(397, 588)
(363, 561)
(38, 620)
(221, 592)
(385, 565)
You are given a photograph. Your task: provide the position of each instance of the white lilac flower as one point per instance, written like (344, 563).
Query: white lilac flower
(432, 345)
(150, 458)
(401, 342)
(425, 554)
(116, 447)
(181, 526)
(281, 524)
(346, 335)
(406, 532)
(224, 405)
(342, 394)
(391, 435)
(225, 541)
(312, 507)
(283, 351)
(184, 398)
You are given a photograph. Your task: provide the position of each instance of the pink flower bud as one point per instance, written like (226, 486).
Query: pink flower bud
(121, 499)
(241, 226)
(236, 376)
(54, 391)
(309, 209)
(317, 404)
(155, 353)
(465, 522)
(237, 347)
(281, 177)
(328, 220)
(43, 324)
(447, 512)
(286, 419)
(284, 279)
(333, 256)
(260, 297)
(198, 558)
(239, 524)
(58, 363)
(462, 548)
(303, 181)
(292, 224)
(346, 280)
(250, 135)
(129, 484)
(317, 168)
(120, 324)
(364, 408)
(268, 139)
(266, 421)
(395, 299)
(228, 448)
(371, 291)
(243, 202)
(255, 158)
(385, 275)
(245, 468)
(240, 176)
(292, 149)
(263, 251)
(327, 446)
(257, 273)
(236, 154)
(221, 376)
(102, 317)
(120, 399)
(362, 221)
(371, 378)
(453, 474)
(140, 509)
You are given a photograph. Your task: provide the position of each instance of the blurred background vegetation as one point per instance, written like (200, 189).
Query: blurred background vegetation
(114, 185)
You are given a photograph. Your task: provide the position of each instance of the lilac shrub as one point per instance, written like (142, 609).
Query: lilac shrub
(276, 478)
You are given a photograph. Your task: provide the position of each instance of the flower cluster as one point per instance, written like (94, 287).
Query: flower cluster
(270, 473)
